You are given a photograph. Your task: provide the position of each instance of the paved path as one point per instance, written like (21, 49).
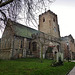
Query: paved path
(72, 72)
(72, 60)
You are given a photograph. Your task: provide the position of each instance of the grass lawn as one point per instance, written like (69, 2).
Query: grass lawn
(32, 66)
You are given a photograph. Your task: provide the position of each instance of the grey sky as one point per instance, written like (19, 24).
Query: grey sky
(65, 9)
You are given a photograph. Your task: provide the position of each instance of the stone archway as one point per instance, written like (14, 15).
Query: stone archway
(49, 53)
(35, 51)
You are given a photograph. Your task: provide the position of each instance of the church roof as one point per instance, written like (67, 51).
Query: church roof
(66, 38)
(23, 31)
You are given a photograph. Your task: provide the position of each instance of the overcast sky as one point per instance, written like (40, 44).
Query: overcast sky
(65, 9)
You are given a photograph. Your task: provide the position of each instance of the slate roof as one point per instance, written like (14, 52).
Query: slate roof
(23, 31)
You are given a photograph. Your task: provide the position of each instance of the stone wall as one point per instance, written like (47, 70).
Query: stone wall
(43, 40)
(19, 47)
(68, 47)
(6, 41)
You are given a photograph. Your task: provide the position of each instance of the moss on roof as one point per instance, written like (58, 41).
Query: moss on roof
(23, 31)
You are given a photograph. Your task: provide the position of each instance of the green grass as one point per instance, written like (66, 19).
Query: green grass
(33, 66)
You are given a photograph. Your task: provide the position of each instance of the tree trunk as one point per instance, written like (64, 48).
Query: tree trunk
(41, 53)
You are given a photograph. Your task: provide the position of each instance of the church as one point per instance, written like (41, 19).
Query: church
(20, 41)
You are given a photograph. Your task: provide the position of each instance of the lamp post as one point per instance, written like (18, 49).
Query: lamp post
(68, 50)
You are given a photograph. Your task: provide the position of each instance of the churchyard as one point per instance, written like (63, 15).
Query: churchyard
(33, 66)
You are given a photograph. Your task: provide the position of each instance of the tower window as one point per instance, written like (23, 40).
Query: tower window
(54, 19)
(43, 19)
(54, 29)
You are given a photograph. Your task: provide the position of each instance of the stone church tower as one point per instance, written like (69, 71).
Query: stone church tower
(48, 24)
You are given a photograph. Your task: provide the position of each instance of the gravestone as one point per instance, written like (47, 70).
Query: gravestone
(59, 55)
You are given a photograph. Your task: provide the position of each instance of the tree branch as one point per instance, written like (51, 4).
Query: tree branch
(5, 18)
(5, 3)
(0, 1)
(1, 19)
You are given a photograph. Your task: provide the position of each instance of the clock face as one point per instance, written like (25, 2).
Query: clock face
(54, 29)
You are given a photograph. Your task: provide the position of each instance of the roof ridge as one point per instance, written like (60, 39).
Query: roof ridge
(19, 24)
(22, 30)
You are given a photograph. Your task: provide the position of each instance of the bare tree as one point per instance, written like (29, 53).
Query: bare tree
(26, 10)
(9, 9)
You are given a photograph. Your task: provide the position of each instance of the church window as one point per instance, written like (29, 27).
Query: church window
(29, 45)
(21, 44)
(43, 19)
(34, 44)
(54, 29)
(54, 19)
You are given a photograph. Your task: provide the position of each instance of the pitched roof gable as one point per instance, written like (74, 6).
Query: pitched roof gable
(65, 38)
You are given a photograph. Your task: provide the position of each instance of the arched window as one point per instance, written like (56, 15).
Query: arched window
(54, 19)
(34, 46)
(21, 45)
(58, 47)
(43, 19)
(55, 29)
(29, 45)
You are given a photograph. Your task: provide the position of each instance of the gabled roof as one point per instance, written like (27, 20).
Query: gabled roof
(65, 38)
(22, 31)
